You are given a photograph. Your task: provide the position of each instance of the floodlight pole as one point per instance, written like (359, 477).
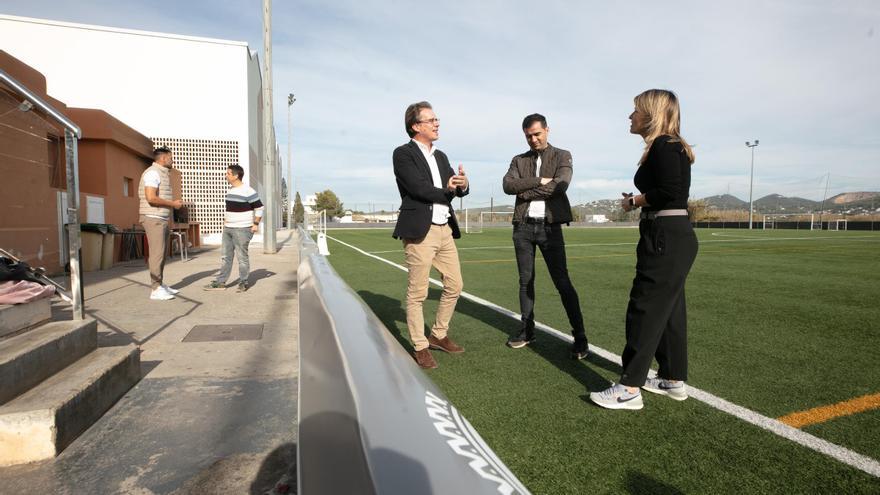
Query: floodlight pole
(290, 100)
(751, 180)
(270, 222)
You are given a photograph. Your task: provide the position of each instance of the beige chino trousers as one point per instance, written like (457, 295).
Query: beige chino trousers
(157, 236)
(436, 249)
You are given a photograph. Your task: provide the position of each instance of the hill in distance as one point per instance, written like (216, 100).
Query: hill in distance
(849, 203)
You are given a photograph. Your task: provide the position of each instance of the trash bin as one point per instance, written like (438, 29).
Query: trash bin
(107, 251)
(90, 256)
(96, 239)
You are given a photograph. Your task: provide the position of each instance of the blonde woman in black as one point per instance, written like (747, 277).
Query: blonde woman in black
(656, 318)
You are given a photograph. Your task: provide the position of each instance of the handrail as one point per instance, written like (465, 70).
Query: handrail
(42, 105)
(370, 421)
(72, 133)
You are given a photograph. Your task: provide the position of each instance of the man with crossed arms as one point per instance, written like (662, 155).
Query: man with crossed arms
(539, 178)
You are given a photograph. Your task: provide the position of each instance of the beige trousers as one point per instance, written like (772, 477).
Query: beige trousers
(157, 237)
(436, 249)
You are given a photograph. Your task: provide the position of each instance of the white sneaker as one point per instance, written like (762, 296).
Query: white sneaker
(674, 389)
(617, 397)
(161, 295)
(169, 290)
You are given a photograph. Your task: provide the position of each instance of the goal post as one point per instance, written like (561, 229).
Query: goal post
(489, 219)
(794, 221)
(837, 224)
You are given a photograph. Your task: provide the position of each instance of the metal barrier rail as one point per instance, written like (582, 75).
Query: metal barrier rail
(72, 133)
(370, 421)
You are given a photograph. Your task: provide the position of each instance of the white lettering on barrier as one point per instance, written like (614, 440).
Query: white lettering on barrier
(465, 442)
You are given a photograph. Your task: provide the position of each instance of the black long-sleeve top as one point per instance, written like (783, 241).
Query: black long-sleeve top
(665, 176)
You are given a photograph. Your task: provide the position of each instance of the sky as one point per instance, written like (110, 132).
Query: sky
(801, 76)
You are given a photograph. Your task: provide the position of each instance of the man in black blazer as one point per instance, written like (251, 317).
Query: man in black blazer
(427, 226)
(539, 179)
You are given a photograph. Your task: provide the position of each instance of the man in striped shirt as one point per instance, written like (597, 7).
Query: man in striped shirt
(244, 210)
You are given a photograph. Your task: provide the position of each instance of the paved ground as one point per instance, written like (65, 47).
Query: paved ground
(207, 417)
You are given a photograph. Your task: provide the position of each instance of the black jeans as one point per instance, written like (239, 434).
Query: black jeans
(547, 237)
(656, 317)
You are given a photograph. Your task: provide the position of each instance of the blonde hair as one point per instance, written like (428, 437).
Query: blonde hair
(661, 108)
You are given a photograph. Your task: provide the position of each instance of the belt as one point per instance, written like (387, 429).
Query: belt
(439, 224)
(534, 220)
(650, 215)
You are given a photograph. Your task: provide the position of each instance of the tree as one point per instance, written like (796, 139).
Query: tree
(284, 204)
(327, 200)
(299, 212)
(700, 212)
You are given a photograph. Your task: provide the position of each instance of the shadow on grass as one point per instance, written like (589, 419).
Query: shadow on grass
(556, 352)
(639, 483)
(391, 312)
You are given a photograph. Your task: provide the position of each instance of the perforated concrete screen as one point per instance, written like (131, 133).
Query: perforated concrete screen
(203, 163)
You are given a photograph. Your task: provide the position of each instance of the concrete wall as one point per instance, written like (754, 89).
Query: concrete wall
(32, 164)
(32, 159)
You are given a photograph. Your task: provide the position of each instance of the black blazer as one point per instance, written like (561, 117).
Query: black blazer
(418, 194)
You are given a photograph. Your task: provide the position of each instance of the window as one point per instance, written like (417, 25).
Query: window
(127, 186)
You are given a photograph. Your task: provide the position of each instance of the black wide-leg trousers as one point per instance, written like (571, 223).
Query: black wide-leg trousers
(656, 317)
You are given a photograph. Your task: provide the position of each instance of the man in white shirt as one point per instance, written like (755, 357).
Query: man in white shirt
(155, 207)
(244, 210)
(428, 228)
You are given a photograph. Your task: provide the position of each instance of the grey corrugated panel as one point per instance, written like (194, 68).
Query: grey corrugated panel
(370, 421)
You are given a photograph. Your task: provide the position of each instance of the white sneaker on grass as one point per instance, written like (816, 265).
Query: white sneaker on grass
(618, 397)
(674, 389)
(169, 290)
(161, 294)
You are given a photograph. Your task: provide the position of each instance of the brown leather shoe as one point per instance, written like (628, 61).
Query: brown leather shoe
(424, 359)
(445, 344)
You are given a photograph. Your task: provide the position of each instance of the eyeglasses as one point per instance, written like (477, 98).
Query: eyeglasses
(430, 121)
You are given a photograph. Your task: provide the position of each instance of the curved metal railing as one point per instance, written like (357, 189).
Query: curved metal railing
(370, 421)
(72, 132)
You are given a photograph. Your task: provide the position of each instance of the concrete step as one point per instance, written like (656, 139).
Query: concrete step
(42, 422)
(17, 317)
(29, 358)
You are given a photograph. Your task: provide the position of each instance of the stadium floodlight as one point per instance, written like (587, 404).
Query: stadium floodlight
(751, 180)
(290, 100)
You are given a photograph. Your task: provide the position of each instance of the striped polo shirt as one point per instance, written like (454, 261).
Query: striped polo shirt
(242, 205)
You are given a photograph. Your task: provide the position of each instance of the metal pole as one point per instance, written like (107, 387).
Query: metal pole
(269, 188)
(751, 180)
(827, 179)
(73, 239)
(290, 100)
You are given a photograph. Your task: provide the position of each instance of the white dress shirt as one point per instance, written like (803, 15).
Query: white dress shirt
(536, 206)
(440, 211)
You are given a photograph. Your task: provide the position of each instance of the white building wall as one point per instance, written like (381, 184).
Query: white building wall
(167, 87)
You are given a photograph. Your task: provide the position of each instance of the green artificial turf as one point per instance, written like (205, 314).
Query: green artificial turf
(779, 322)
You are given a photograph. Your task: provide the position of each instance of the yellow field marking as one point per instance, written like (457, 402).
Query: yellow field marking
(827, 413)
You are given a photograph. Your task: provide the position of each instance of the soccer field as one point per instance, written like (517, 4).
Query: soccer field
(783, 329)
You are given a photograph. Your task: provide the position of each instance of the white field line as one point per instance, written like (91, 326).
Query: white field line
(842, 454)
(705, 241)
